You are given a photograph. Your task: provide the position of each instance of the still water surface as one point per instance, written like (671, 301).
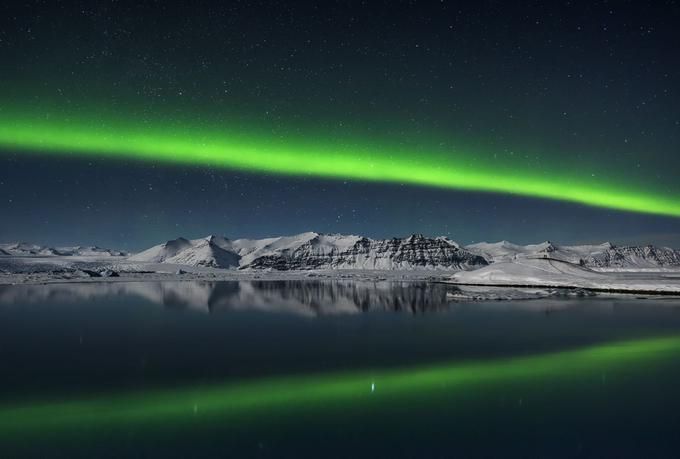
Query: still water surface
(332, 369)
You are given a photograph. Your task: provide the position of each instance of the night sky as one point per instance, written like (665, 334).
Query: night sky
(126, 124)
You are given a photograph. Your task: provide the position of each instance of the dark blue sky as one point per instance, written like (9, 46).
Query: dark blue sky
(551, 86)
(132, 206)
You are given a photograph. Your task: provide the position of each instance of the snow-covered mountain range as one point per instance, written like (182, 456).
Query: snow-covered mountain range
(307, 251)
(20, 249)
(315, 251)
(604, 255)
(333, 251)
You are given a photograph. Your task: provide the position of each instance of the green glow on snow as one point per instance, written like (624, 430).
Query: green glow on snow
(325, 158)
(288, 395)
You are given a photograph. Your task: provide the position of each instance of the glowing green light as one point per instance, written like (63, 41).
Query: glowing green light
(288, 395)
(327, 159)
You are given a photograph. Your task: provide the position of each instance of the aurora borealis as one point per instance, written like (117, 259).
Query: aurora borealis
(370, 118)
(323, 159)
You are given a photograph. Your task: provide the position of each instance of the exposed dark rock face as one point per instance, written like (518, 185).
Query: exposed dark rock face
(416, 251)
(622, 256)
(309, 251)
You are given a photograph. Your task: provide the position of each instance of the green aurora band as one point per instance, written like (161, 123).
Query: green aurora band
(290, 395)
(330, 158)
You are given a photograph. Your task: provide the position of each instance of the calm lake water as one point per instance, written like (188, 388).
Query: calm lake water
(332, 369)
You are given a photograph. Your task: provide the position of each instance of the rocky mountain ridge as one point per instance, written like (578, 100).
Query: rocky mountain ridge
(606, 255)
(24, 249)
(315, 251)
(308, 251)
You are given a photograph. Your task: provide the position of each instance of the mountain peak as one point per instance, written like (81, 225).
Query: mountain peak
(180, 241)
(215, 239)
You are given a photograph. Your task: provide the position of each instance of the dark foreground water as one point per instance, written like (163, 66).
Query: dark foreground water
(332, 369)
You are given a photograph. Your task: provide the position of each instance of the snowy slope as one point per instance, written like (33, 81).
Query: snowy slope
(211, 251)
(26, 249)
(506, 251)
(603, 256)
(548, 272)
(93, 251)
(252, 249)
(218, 251)
(161, 253)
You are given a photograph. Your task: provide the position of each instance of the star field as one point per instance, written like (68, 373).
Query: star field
(574, 95)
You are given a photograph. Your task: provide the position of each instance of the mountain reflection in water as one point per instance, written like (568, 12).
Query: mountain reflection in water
(303, 297)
